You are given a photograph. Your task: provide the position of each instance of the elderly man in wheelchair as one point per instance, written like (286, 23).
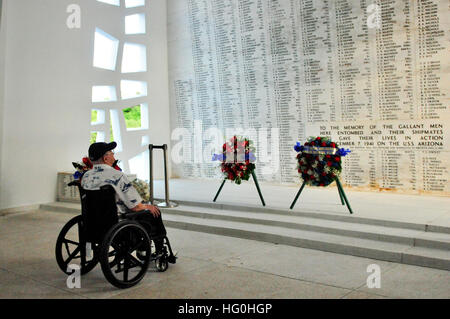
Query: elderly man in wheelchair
(115, 228)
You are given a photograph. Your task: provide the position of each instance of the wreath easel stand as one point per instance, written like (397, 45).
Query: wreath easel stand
(319, 163)
(257, 187)
(344, 200)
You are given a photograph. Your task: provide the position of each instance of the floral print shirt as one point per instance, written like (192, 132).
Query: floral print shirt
(101, 174)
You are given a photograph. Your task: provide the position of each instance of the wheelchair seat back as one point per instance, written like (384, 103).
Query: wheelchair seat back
(99, 211)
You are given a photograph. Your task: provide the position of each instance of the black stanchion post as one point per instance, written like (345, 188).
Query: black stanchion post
(167, 203)
(150, 160)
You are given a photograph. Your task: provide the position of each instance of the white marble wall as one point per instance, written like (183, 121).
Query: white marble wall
(317, 68)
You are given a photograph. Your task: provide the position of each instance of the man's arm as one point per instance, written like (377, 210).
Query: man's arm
(129, 195)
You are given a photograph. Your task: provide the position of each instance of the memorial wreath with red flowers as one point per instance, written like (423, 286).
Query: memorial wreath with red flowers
(237, 159)
(81, 167)
(319, 160)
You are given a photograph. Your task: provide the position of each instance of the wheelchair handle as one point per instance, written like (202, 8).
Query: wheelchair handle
(74, 183)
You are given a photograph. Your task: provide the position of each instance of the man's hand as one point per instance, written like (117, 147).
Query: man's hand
(153, 209)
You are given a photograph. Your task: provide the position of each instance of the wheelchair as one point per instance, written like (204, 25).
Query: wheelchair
(121, 244)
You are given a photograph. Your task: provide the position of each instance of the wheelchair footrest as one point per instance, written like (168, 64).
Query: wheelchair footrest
(172, 259)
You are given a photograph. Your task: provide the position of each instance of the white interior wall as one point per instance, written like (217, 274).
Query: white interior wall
(46, 102)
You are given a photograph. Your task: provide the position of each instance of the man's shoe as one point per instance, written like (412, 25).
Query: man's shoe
(172, 258)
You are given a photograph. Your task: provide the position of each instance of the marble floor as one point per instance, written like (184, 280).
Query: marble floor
(209, 266)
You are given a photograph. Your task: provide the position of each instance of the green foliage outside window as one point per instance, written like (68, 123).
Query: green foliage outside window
(132, 117)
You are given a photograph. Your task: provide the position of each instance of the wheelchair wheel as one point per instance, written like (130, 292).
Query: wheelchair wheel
(70, 249)
(162, 264)
(119, 259)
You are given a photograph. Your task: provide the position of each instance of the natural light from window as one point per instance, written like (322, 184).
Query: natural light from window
(135, 24)
(134, 58)
(105, 50)
(113, 2)
(134, 3)
(97, 137)
(132, 89)
(103, 93)
(97, 117)
(118, 112)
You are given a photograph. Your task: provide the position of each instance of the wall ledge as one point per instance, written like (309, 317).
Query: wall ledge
(18, 210)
